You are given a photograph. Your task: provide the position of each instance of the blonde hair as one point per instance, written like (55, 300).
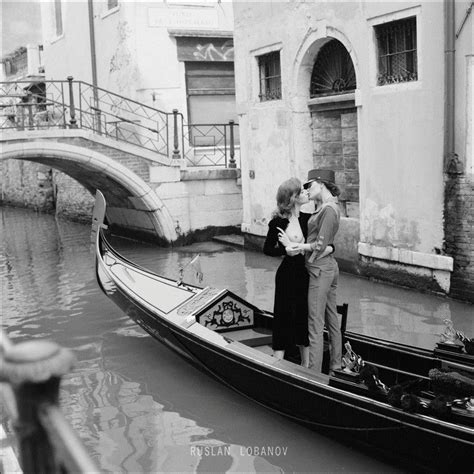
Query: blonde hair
(286, 196)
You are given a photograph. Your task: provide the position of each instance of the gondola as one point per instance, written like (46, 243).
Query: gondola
(229, 338)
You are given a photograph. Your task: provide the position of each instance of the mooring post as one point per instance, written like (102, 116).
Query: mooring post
(34, 370)
(176, 154)
(232, 163)
(72, 108)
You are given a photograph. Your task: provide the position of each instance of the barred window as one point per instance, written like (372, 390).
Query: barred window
(397, 55)
(270, 76)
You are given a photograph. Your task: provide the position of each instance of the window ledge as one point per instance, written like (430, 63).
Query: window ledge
(268, 103)
(189, 4)
(110, 12)
(408, 257)
(56, 38)
(398, 87)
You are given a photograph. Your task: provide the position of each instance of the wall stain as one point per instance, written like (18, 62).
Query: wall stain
(381, 227)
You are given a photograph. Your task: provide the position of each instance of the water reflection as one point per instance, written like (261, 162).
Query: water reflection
(136, 405)
(122, 425)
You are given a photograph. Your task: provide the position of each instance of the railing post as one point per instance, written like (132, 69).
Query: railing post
(176, 154)
(34, 370)
(30, 110)
(232, 163)
(72, 108)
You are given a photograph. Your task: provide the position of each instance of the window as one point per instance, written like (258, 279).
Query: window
(211, 100)
(58, 17)
(270, 76)
(396, 43)
(112, 4)
(333, 71)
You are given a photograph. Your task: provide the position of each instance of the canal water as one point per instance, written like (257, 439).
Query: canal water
(135, 404)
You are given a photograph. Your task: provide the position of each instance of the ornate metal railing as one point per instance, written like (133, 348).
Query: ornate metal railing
(77, 104)
(210, 145)
(27, 105)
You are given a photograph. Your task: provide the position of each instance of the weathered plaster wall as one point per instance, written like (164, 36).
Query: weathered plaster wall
(400, 129)
(135, 57)
(161, 72)
(200, 199)
(401, 186)
(59, 61)
(402, 150)
(26, 184)
(463, 81)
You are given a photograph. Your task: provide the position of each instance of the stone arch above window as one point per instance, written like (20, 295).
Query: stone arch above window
(333, 71)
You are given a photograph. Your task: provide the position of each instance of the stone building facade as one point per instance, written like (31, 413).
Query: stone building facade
(362, 88)
(168, 55)
(163, 55)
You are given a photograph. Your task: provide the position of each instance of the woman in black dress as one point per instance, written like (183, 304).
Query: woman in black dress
(290, 311)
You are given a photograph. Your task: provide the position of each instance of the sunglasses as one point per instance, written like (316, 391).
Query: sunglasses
(308, 184)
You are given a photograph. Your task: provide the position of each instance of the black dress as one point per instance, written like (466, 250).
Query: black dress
(290, 310)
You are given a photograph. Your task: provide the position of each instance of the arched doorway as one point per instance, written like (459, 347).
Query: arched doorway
(334, 120)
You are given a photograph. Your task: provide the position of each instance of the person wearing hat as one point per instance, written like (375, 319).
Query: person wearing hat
(323, 270)
(290, 310)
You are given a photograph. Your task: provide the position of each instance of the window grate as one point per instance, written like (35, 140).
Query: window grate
(397, 52)
(270, 76)
(333, 71)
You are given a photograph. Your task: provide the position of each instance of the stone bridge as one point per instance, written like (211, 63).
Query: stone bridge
(149, 195)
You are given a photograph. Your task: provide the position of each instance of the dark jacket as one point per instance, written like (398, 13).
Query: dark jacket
(272, 245)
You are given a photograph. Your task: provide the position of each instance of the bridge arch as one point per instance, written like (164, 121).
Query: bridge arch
(133, 204)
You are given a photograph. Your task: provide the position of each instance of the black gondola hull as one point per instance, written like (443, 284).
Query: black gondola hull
(427, 443)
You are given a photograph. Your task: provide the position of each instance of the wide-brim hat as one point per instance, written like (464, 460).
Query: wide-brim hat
(327, 176)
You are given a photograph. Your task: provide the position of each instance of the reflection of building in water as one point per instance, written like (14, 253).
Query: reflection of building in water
(126, 430)
(421, 324)
(32, 257)
(43, 259)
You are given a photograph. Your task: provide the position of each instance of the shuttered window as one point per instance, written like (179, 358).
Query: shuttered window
(211, 92)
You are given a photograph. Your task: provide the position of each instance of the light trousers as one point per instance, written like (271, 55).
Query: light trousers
(322, 308)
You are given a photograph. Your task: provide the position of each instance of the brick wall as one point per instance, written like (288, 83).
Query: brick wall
(459, 234)
(335, 146)
(73, 201)
(27, 184)
(139, 165)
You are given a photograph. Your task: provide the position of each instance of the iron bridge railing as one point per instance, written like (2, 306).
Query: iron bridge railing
(27, 105)
(211, 144)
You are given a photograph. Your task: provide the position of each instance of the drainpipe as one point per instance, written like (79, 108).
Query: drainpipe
(93, 59)
(451, 163)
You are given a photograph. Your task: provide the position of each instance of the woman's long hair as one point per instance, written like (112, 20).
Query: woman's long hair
(332, 188)
(287, 193)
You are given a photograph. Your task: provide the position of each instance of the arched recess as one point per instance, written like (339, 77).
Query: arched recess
(122, 188)
(306, 57)
(330, 108)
